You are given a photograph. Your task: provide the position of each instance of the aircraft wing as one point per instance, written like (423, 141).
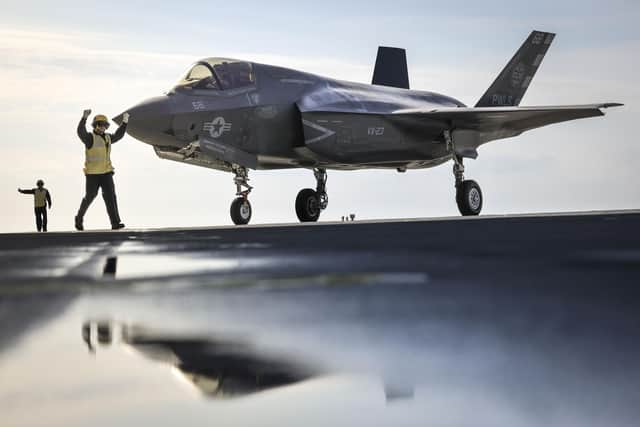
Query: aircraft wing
(484, 124)
(514, 119)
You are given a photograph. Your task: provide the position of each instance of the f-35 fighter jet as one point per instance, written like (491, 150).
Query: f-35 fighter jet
(234, 115)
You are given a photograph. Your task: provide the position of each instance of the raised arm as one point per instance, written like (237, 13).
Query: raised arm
(32, 191)
(84, 136)
(119, 133)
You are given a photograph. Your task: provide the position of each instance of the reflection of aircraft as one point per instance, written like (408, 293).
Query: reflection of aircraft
(234, 115)
(217, 367)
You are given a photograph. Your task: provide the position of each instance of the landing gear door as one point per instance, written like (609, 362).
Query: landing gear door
(219, 150)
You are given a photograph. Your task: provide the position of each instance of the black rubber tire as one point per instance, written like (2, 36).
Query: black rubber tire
(308, 205)
(469, 198)
(240, 211)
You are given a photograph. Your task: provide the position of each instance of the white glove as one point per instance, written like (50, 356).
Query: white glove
(125, 118)
(86, 113)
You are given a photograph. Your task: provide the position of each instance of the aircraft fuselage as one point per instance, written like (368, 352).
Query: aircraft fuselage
(287, 118)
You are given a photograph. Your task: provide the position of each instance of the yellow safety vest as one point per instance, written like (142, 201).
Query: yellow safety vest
(98, 157)
(40, 198)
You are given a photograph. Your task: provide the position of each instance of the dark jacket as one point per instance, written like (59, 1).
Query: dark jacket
(33, 191)
(87, 138)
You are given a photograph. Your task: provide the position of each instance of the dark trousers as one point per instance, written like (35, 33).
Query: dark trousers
(41, 218)
(105, 182)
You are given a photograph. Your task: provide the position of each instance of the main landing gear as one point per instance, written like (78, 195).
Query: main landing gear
(240, 207)
(468, 193)
(310, 202)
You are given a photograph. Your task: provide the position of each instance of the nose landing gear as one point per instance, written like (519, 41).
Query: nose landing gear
(310, 202)
(240, 207)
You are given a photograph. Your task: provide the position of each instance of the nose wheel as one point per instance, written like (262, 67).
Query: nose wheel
(309, 202)
(240, 207)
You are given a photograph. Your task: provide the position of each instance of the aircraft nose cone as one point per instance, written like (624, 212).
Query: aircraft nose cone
(150, 121)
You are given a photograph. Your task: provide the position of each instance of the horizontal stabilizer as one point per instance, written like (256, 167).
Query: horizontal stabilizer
(512, 83)
(391, 68)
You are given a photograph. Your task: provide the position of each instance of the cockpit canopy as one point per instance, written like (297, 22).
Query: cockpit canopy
(218, 74)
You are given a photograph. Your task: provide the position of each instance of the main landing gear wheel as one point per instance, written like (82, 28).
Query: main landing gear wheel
(468, 193)
(469, 198)
(308, 205)
(240, 207)
(309, 202)
(240, 211)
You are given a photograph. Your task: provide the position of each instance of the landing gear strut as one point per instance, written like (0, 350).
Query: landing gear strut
(240, 207)
(468, 193)
(309, 202)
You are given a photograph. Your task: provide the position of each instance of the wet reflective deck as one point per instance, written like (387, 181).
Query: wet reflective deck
(509, 321)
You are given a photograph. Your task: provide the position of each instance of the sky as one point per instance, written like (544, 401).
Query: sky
(58, 58)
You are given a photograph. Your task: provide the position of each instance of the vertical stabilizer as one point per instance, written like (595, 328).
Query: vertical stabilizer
(391, 68)
(512, 83)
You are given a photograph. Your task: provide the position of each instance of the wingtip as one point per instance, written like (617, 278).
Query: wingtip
(549, 33)
(611, 104)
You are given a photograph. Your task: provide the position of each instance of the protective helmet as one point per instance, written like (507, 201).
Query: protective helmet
(40, 183)
(99, 118)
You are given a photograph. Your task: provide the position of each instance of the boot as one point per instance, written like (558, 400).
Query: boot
(78, 223)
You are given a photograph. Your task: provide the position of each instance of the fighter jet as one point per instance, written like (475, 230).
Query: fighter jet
(234, 115)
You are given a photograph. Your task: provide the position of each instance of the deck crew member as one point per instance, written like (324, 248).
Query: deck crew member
(41, 197)
(98, 169)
